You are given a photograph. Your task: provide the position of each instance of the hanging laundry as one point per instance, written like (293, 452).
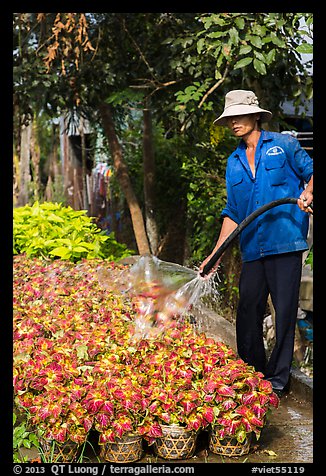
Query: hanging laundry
(101, 175)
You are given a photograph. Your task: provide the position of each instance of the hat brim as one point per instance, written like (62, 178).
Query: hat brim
(240, 110)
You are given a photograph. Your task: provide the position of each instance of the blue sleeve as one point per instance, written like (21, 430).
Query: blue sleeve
(230, 208)
(300, 160)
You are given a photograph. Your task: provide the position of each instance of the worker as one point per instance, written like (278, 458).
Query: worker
(265, 166)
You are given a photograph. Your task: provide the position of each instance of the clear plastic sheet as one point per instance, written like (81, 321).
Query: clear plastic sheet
(161, 292)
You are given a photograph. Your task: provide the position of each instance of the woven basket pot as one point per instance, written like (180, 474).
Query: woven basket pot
(67, 452)
(176, 442)
(228, 446)
(127, 449)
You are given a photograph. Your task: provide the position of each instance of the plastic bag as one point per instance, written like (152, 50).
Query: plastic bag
(160, 291)
(154, 285)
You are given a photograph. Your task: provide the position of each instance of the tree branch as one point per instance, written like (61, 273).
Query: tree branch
(216, 85)
(138, 48)
(212, 89)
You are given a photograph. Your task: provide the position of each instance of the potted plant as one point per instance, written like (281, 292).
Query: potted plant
(116, 402)
(241, 399)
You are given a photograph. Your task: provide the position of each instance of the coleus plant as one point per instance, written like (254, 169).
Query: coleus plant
(240, 398)
(78, 366)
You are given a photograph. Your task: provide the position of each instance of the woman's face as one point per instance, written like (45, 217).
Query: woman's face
(243, 125)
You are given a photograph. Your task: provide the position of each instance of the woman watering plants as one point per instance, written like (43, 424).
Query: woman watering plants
(266, 166)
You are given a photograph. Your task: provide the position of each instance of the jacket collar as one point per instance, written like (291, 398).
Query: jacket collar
(240, 152)
(264, 136)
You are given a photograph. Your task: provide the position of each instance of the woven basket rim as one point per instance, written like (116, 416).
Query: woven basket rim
(215, 427)
(178, 428)
(59, 443)
(126, 436)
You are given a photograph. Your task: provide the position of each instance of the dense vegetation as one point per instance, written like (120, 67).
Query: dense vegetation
(151, 84)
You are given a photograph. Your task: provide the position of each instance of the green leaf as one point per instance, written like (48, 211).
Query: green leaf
(239, 22)
(216, 18)
(60, 333)
(277, 41)
(84, 368)
(82, 352)
(55, 218)
(259, 66)
(33, 439)
(266, 39)
(241, 436)
(270, 57)
(200, 45)
(21, 357)
(255, 40)
(234, 36)
(259, 56)
(216, 34)
(218, 75)
(259, 30)
(243, 62)
(305, 48)
(309, 20)
(61, 251)
(245, 49)
(27, 444)
(80, 249)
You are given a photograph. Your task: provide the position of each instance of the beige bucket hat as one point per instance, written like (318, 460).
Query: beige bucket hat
(238, 102)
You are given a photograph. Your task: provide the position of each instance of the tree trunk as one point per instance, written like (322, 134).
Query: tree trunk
(16, 179)
(36, 156)
(149, 182)
(84, 171)
(54, 176)
(124, 180)
(25, 155)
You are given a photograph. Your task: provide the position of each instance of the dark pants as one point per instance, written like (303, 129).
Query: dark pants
(279, 276)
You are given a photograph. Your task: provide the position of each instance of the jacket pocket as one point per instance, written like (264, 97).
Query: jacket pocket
(240, 188)
(276, 172)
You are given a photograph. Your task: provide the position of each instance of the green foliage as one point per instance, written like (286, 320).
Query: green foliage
(53, 231)
(310, 258)
(244, 50)
(230, 291)
(206, 197)
(22, 438)
(191, 96)
(175, 60)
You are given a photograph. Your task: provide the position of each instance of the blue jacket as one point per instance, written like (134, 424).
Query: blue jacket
(281, 169)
